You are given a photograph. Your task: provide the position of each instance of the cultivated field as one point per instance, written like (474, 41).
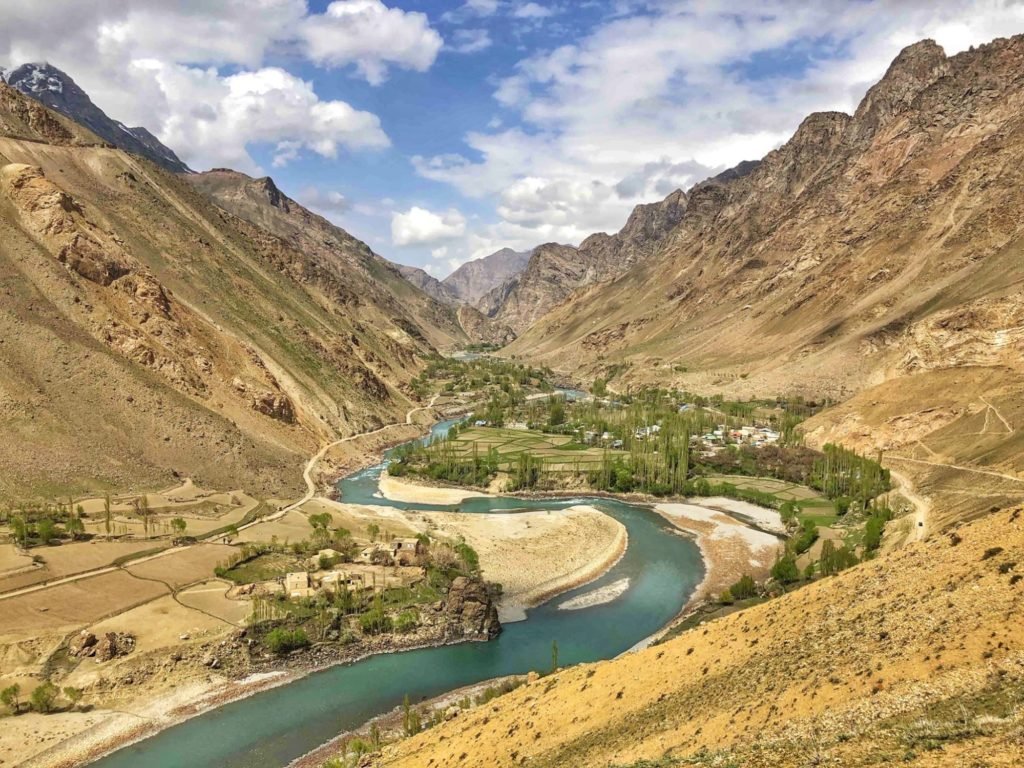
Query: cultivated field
(210, 598)
(186, 566)
(71, 558)
(559, 452)
(77, 604)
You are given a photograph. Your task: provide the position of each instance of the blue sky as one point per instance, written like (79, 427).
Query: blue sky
(443, 131)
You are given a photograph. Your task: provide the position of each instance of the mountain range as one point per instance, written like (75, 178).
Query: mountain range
(159, 324)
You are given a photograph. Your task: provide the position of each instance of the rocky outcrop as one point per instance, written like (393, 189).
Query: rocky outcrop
(108, 646)
(482, 329)
(470, 611)
(428, 284)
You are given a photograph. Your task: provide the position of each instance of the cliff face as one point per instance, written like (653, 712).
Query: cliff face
(147, 332)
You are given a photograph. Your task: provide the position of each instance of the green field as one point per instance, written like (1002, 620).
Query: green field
(558, 452)
(812, 505)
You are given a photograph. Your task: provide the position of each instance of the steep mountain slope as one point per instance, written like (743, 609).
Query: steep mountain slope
(145, 332)
(555, 271)
(56, 90)
(471, 281)
(915, 658)
(333, 259)
(429, 284)
(870, 250)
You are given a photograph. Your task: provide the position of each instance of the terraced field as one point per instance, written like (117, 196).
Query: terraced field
(559, 452)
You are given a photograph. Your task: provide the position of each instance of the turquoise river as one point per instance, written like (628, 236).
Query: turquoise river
(272, 728)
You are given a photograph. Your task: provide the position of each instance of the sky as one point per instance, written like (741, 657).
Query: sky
(442, 131)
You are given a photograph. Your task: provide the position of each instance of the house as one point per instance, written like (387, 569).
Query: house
(405, 551)
(589, 437)
(616, 443)
(366, 554)
(480, 423)
(297, 584)
(334, 580)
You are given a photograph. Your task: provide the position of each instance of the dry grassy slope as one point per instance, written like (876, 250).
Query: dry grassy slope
(836, 673)
(824, 268)
(334, 259)
(144, 330)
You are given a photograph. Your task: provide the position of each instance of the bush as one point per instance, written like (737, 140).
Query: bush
(282, 640)
(407, 621)
(745, 588)
(785, 570)
(375, 621)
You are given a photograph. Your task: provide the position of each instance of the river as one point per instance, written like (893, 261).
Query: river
(272, 728)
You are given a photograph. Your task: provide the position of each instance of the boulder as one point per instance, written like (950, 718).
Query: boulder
(470, 611)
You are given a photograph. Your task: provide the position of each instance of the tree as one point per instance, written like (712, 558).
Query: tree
(11, 697)
(75, 527)
(600, 388)
(46, 530)
(411, 723)
(374, 530)
(554, 655)
(20, 530)
(106, 514)
(785, 570)
(142, 509)
(744, 588)
(178, 525)
(231, 533)
(43, 697)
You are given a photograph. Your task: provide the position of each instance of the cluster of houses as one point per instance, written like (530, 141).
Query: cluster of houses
(755, 436)
(368, 571)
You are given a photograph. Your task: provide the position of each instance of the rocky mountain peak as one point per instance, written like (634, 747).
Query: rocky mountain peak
(55, 89)
(915, 68)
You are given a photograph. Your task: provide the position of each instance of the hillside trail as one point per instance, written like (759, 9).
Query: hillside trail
(922, 507)
(311, 489)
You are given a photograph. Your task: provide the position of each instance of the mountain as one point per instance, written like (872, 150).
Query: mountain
(334, 260)
(475, 278)
(555, 271)
(877, 249)
(911, 659)
(147, 333)
(55, 89)
(428, 284)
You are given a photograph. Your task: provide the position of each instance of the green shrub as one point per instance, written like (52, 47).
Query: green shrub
(281, 640)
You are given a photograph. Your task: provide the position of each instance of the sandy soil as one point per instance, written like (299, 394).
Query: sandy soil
(399, 490)
(729, 548)
(537, 555)
(765, 518)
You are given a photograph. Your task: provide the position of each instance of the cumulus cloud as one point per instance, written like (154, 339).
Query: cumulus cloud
(664, 93)
(193, 72)
(372, 36)
(419, 226)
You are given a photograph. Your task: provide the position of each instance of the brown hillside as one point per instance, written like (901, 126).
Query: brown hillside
(145, 332)
(915, 658)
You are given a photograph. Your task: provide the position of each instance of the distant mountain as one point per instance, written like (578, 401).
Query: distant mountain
(56, 90)
(429, 284)
(475, 278)
(556, 271)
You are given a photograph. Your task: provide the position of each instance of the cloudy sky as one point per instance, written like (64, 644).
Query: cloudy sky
(442, 131)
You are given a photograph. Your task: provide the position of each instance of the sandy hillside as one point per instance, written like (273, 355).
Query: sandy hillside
(924, 645)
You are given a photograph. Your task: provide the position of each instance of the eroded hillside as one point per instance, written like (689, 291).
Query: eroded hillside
(146, 332)
(916, 657)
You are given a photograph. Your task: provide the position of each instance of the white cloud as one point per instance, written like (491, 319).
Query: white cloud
(372, 36)
(664, 93)
(193, 72)
(324, 202)
(212, 118)
(470, 40)
(439, 253)
(532, 11)
(418, 226)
